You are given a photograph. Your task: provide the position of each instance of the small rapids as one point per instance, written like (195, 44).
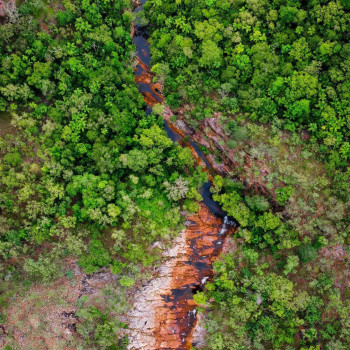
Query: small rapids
(200, 243)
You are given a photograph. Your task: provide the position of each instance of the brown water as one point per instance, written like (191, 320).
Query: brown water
(205, 233)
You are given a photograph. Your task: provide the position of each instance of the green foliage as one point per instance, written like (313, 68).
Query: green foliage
(259, 308)
(284, 64)
(126, 281)
(88, 173)
(44, 269)
(307, 253)
(280, 60)
(257, 203)
(283, 194)
(69, 274)
(200, 298)
(258, 226)
(96, 257)
(240, 133)
(13, 159)
(84, 157)
(99, 329)
(292, 263)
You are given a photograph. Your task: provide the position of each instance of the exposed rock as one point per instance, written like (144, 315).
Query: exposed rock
(190, 223)
(164, 312)
(214, 125)
(7, 7)
(132, 30)
(201, 140)
(167, 114)
(93, 283)
(181, 125)
(220, 168)
(144, 323)
(199, 332)
(158, 245)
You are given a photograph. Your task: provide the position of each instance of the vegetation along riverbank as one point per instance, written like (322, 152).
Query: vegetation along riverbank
(174, 174)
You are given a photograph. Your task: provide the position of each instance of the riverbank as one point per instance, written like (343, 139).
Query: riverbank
(164, 314)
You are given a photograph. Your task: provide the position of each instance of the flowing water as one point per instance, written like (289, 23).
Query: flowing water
(206, 231)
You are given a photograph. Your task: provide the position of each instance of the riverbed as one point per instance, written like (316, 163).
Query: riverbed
(164, 314)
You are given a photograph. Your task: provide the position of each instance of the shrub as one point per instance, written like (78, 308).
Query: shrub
(230, 126)
(97, 257)
(96, 327)
(313, 311)
(43, 268)
(240, 134)
(292, 263)
(307, 253)
(126, 281)
(13, 159)
(231, 144)
(257, 203)
(64, 17)
(200, 298)
(283, 194)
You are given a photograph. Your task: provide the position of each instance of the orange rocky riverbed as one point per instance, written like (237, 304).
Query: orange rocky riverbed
(164, 315)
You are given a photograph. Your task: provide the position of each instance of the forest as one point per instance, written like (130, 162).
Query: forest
(85, 173)
(262, 86)
(277, 73)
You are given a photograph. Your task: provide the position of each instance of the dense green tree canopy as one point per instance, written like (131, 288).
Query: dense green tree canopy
(279, 60)
(85, 153)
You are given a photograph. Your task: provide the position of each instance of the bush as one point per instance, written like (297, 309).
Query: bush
(313, 311)
(240, 134)
(13, 159)
(126, 281)
(43, 268)
(283, 194)
(231, 126)
(65, 17)
(307, 253)
(291, 264)
(257, 203)
(97, 257)
(200, 298)
(96, 327)
(231, 144)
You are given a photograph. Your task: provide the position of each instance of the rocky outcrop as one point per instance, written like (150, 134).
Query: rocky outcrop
(199, 332)
(164, 314)
(7, 7)
(211, 135)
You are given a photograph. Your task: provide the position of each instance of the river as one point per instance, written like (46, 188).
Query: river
(202, 240)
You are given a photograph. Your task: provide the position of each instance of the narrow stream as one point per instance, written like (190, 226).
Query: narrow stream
(206, 232)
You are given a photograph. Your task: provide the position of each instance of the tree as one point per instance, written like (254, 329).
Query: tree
(211, 55)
